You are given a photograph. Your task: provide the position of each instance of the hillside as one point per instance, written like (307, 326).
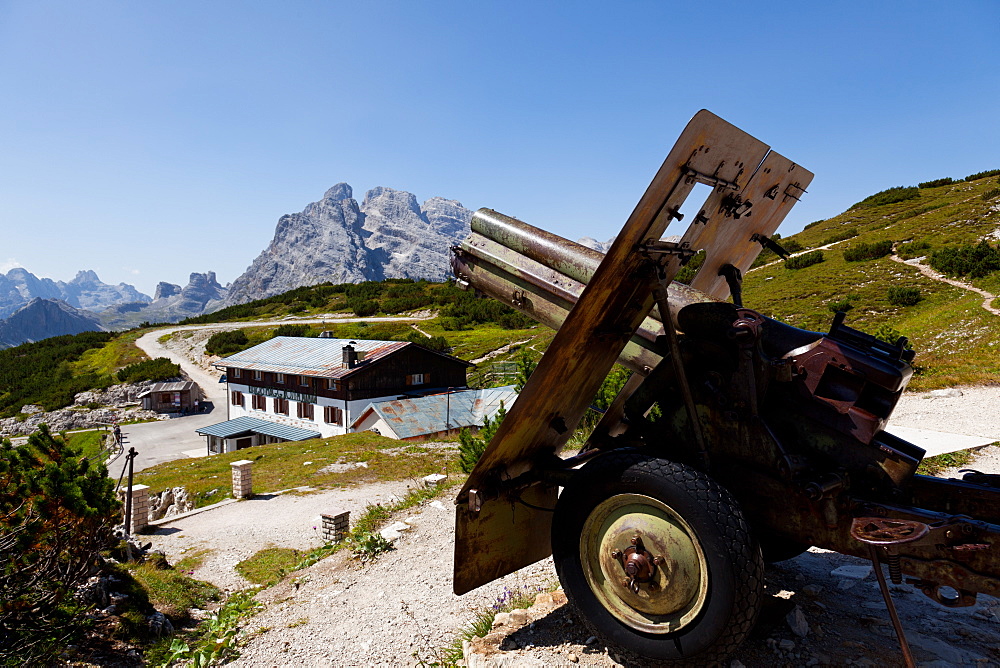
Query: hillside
(955, 339)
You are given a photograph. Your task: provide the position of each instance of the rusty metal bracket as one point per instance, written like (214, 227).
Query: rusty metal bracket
(692, 175)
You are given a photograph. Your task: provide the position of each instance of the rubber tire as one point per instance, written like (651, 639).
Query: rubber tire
(735, 565)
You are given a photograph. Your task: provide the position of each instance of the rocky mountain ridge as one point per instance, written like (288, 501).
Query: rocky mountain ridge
(388, 235)
(86, 291)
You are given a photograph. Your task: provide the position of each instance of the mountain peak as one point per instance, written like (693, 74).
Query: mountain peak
(339, 192)
(388, 236)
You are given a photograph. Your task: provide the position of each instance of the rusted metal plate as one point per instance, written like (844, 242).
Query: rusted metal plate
(772, 191)
(522, 530)
(613, 305)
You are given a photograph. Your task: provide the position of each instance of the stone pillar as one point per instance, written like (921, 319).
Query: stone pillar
(140, 507)
(335, 527)
(242, 483)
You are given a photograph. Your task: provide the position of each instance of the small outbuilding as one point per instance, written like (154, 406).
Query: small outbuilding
(435, 415)
(175, 397)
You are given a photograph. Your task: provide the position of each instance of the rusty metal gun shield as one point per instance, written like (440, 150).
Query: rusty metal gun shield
(497, 529)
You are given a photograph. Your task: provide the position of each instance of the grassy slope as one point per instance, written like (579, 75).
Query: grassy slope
(956, 341)
(281, 466)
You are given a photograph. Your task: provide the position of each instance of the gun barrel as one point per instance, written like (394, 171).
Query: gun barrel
(542, 275)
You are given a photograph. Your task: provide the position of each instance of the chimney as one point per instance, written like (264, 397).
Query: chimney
(350, 356)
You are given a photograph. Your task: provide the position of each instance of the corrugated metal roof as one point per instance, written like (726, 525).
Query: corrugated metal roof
(246, 425)
(308, 356)
(431, 414)
(177, 386)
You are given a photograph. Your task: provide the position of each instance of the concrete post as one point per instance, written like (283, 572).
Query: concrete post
(335, 527)
(140, 507)
(242, 479)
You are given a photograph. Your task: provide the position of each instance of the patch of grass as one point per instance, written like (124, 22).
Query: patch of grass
(279, 466)
(90, 443)
(116, 354)
(171, 590)
(934, 465)
(270, 565)
(193, 559)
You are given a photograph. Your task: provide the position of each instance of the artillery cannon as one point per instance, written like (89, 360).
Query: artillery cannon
(737, 439)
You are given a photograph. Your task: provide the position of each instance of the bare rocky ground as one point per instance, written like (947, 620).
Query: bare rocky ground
(400, 611)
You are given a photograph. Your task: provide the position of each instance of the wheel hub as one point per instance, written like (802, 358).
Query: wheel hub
(644, 563)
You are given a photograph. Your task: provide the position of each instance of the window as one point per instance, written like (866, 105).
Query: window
(281, 406)
(258, 375)
(331, 384)
(166, 397)
(237, 398)
(304, 381)
(279, 378)
(258, 401)
(418, 379)
(305, 411)
(237, 373)
(333, 415)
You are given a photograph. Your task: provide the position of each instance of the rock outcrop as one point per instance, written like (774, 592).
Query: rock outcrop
(42, 318)
(388, 235)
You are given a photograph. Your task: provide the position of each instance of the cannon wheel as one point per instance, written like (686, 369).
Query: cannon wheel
(658, 558)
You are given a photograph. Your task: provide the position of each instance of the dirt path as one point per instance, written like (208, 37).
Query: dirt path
(933, 275)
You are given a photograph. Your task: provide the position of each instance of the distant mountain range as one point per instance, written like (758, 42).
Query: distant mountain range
(33, 308)
(19, 286)
(388, 235)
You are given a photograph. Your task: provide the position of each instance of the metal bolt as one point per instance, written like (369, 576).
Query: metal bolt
(658, 561)
(616, 554)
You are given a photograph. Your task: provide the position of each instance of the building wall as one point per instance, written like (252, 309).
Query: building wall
(374, 421)
(383, 377)
(352, 409)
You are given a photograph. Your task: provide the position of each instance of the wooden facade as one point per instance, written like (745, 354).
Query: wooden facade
(408, 370)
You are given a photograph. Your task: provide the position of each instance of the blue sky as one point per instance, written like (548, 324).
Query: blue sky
(148, 140)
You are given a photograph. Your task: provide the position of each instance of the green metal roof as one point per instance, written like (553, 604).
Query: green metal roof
(247, 425)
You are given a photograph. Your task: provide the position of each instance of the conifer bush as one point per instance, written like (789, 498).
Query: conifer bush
(900, 296)
(863, 251)
(56, 513)
(804, 260)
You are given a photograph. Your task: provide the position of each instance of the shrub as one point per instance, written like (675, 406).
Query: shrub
(912, 249)
(845, 304)
(225, 343)
(899, 296)
(812, 224)
(947, 181)
(471, 448)
(888, 196)
(291, 330)
(982, 175)
(990, 194)
(155, 369)
(975, 261)
(363, 308)
(804, 260)
(862, 251)
(55, 518)
(843, 235)
(889, 335)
